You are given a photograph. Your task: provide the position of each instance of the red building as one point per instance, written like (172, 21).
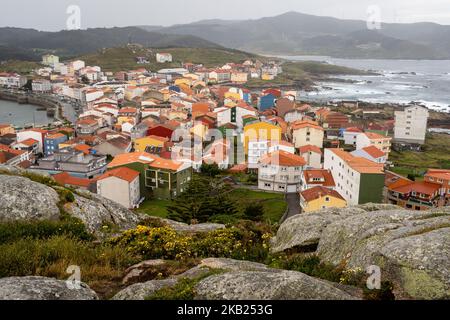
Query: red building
(160, 131)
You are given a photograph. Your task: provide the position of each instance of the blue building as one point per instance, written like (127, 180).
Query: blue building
(51, 143)
(266, 102)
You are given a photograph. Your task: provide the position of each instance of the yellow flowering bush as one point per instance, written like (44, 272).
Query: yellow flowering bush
(166, 243)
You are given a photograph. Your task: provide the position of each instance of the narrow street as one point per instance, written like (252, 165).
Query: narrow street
(293, 201)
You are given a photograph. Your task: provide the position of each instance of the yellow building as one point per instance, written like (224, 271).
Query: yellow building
(186, 81)
(141, 144)
(261, 131)
(319, 197)
(267, 76)
(232, 95)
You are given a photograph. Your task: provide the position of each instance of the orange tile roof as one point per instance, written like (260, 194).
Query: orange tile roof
(168, 164)
(319, 192)
(82, 147)
(438, 173)
(29, 142)
(305, 124)
(65, 178)
(283, 158)
(123, 173)
(374, 152)
(427, 188)
(360, 164)
(325, 176)
(309, 148)
(55, 136)
(127, 158)
(376, 136)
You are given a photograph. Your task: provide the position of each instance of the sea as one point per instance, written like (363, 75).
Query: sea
(397, 81)
(21, 115)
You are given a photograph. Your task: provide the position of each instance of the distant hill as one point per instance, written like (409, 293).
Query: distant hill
(30, 44)
(124, 58)
(297, 33)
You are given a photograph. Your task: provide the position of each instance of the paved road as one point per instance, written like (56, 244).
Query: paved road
(293, 201)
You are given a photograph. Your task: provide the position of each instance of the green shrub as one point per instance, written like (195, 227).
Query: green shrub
(308, 264)
(51, 257)
(183, 290)
(13, 231)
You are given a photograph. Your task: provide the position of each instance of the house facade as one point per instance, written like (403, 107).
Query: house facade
(357, 179)
(120, 185)
(280, 171)
(307, 132)
(318, 198)
(411, 125)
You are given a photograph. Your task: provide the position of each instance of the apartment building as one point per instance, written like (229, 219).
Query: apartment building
(357, 179)
(411, 125)
(280, 171)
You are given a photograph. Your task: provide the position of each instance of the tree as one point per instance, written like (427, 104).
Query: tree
(211, 170)
(203, 199)
(254, 211)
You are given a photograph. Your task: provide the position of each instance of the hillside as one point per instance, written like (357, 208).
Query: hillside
(124, 58)
(297, 33)
(32, 43)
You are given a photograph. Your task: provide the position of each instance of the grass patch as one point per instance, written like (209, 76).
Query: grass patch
(21, 67)
(435, 155)
(274, 203)
(14, 231)
(154, 207)
(183, 290)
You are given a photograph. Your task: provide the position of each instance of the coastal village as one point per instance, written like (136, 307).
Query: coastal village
(140, 136)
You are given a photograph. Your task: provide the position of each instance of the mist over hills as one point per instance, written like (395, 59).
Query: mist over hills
(291, 33)
(297, 33)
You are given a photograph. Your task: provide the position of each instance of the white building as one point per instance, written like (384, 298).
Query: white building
(120, 185)
(163, 57)
(371, 153)
(367, 139)
(350, 135)
(12, 80)
(34, 133)
(256, 149)
(50, 60)
(411, 125)
(41, 85)
(357, 179)
(280, 171)
(312, 155)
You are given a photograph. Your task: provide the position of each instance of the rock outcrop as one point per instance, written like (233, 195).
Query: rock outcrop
(267, 285)
(241, 280)
(411, 248)
(41, 288)
(22, 199)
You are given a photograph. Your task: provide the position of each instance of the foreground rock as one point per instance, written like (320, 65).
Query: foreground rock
(411, 248)
(266, 285)
(41, 288)
(96, 211)
(241, 280)
(140, 291)
(22, 199)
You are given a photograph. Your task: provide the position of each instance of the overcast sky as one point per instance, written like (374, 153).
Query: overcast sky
(51, 14)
